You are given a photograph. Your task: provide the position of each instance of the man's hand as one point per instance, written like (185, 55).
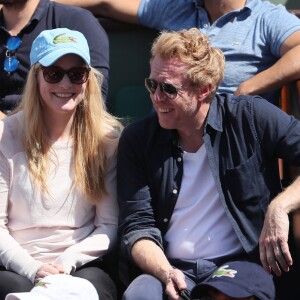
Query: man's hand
(48, 269)
(273, 242)
(175, 283)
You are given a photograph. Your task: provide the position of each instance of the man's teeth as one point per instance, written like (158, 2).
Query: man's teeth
(164, 110)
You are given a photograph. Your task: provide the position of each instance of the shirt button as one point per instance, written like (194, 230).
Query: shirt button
(179, 159)
(206, 25)
(175, 191)
(165, 220)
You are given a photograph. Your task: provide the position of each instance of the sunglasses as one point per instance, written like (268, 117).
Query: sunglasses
(11, 63)
(77, 75)
(168, 89)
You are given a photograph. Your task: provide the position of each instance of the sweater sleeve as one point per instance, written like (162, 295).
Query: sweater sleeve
(104, 236)
(12, 256)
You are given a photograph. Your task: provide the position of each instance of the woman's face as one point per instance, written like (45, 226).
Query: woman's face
(64, 96)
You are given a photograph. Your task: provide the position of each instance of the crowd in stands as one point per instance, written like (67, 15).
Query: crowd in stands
(188, 202)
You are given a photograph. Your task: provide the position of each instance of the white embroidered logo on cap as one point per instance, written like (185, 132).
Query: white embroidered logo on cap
(222, 271)
(62, 38)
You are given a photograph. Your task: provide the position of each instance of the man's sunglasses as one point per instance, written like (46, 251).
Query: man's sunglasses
(54, 74)
(168, 89)
(11, 63)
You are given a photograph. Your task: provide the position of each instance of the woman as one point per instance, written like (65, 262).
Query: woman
(58, 210)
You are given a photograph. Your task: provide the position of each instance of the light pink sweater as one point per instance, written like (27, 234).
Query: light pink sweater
(64, 229)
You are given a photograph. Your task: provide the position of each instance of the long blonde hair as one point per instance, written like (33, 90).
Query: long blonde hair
(205, 64)
(90, 132)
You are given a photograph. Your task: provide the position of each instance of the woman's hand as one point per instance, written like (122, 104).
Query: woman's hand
(48, 269)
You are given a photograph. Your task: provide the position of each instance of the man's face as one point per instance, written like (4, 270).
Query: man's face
(177, 113)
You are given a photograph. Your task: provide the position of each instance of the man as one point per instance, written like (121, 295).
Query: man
(260, 41)
(20, 23)
(198, 181)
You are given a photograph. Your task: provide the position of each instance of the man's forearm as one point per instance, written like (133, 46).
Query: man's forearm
(151, 259)
(289, 199)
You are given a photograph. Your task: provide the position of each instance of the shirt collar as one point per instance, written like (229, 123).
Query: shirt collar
(40, 10)
(215, 116)
(214, 120)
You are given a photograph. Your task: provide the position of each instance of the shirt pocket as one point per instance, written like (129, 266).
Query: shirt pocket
(245, 183)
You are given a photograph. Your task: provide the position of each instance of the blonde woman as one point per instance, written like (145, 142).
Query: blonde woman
(58, 210)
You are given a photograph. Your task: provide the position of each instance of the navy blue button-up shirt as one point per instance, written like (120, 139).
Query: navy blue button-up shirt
(244, 137)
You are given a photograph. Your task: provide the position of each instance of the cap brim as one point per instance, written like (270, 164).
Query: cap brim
(52, 57)
(25, 296)
(226, 288)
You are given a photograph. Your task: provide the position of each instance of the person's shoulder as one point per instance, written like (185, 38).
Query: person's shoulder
(242, 103)
(12, 121)
(143, 129)
(70, 10)
(267, 8)
(77, 18)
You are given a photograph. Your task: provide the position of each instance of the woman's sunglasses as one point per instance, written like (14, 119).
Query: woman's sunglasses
(77, 75)
(11, 63)
(168, 89)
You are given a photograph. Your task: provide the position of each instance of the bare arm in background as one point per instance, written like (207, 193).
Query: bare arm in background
(285, 70)
(121, 10)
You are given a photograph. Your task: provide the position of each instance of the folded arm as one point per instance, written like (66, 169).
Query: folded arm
(285, 70)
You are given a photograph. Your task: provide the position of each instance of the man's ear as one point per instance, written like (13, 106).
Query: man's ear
(204, 92)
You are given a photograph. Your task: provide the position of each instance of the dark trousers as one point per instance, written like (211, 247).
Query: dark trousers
(94, 271)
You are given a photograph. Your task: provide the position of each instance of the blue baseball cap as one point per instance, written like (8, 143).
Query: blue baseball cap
(238, 279)
(51, 45)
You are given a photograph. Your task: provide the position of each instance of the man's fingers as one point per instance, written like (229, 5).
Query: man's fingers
(283, 255)
(263, 255)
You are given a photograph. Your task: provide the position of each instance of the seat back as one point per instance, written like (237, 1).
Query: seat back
(131, 103)
(130, 47)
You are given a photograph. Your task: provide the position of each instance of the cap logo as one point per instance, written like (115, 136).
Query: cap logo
(222, 271)
(42, 284)
(62, 38)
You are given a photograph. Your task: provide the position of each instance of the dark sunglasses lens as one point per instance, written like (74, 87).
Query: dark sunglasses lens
(52, 74)
(169, 89)
(11, 64)
(151, 85)
(78, 75)
(13, 43)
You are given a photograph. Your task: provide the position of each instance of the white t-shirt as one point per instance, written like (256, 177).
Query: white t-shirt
(199, 227)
